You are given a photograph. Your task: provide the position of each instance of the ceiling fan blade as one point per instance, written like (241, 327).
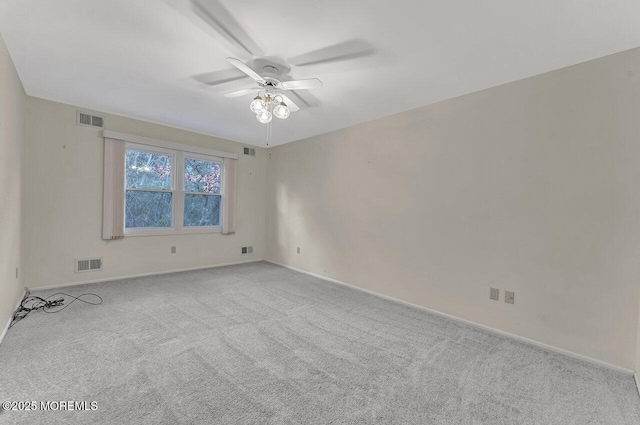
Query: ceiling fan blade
(244, 68)
(219, 77)
(312, 83)
(241, 92)
(215, 14)
(342, 51)
(305, 99)
(290, 103)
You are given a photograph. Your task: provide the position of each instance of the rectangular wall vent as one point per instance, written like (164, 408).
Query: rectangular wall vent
(250, 151)
(88, 265)
(89, 120)
(97, 121)
(247, 250)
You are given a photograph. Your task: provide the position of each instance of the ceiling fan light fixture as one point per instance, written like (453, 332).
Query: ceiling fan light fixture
(281, 111)
(258, 105)
(264, 116)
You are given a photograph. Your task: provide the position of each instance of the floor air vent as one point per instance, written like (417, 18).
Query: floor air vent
(88, 265)
(89, 120)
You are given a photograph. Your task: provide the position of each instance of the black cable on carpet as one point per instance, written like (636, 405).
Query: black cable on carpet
(32, 303)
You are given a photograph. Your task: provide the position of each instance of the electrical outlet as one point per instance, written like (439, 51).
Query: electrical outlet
(298, 250)
(509, 297)
(494, 294)
(173, 249)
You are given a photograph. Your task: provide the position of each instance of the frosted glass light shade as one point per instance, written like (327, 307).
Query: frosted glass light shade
(264, 116)
(258, 105)
(281, 111)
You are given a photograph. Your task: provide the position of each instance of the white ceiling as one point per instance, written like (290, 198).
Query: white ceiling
(139, 57)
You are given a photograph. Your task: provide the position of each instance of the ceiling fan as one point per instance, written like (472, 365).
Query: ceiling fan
(270, 87)
(274, 87)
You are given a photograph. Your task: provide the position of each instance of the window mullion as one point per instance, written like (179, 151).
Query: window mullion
(203, 193)
(139, 189)
(179, 192)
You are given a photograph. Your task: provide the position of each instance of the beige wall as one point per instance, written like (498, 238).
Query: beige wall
(63, 203)
(531, 186)
(637, 368)
(12, 134)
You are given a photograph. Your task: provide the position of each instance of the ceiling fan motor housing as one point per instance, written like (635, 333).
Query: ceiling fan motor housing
(271, 75)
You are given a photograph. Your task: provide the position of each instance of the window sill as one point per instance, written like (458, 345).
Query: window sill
(170, 232)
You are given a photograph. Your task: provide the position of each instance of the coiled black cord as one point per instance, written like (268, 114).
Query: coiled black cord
(31, 303)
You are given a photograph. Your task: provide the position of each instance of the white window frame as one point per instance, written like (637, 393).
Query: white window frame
(200, 229)
(177, 191)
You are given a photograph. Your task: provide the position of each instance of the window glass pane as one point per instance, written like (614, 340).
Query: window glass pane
(201, 210)
(201, 176)
(147, 209)
(146, 170)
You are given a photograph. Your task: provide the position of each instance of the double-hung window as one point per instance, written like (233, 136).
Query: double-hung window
(149, 188)
(169, 191)
(202, 191)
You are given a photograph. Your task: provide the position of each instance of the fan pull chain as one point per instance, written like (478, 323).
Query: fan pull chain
(268, 133)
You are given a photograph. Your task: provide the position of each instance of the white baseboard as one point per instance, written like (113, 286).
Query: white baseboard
(468, 322)
(110, 279)
(635, 377)
(6, 327)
